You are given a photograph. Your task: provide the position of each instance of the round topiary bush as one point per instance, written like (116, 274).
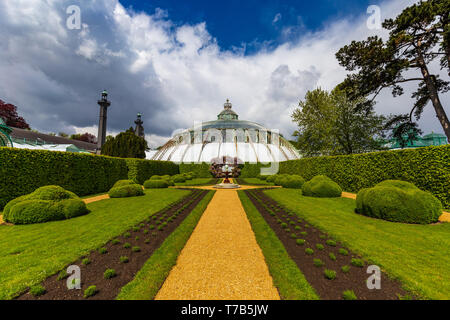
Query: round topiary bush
(179, 178)
(48, 203)
(321, 187)
(132, 190)
(122, 183)
(156, 177)
(398, 201)
(293, 182)
(271, 178)
(156, 184)
(281, 179)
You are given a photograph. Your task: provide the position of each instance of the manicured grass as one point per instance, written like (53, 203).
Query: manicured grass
(31, 253)
(415, 254)
(194, 182)
(256, 181)
(286, 276)
(152, 275)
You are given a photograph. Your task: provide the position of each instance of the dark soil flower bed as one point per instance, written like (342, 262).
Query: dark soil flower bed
(124, 260)
(335, 274)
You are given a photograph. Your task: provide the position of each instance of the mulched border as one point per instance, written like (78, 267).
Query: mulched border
(144, 235)
(354, 280)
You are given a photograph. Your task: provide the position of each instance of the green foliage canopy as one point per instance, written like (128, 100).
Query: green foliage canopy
(125, 145)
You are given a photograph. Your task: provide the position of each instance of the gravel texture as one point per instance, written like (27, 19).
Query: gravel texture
(221, 260)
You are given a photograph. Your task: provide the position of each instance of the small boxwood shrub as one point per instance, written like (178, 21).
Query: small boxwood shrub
(127, 245)
(156, 184)
(132, 190)
(136, 249)
(309, 251)
(345, 269)
(343, 251)
(49, 203)
(399, 201)
(318, 263)
(330, 274)
(127, 235)
(37, 290)
(102, 251)
(124, 259)
(320, 246)
(109, 273)
(357, 262)
(321, 187)
(300, 242)
(331, 243)
(349, 295)
(90, 291)
(86, 261)
(332, 256)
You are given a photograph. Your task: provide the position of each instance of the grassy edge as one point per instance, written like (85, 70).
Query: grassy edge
(287, 277)
(152, 275)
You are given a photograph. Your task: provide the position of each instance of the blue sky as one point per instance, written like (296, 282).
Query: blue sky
(177, 61)
(254, 22)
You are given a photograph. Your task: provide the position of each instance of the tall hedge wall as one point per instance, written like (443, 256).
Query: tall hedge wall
(141, 170)
(201, 169)
(428, 168)
(22, 171)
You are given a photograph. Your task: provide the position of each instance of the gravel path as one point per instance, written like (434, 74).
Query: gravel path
(221, 260)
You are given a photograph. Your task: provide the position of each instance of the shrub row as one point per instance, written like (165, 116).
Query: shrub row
(141, 170)
(201, 170)
(22, 171)
(427, 168)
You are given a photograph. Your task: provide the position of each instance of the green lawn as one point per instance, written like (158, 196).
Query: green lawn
(152, 275)
(418, 255)
(194, 182)
(256, 181)
(31, 253)
(287, 278)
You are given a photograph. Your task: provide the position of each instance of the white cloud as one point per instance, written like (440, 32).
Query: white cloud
(277, 18)
(174, 75)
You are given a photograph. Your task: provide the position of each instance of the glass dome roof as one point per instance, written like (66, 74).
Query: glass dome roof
(227, 138)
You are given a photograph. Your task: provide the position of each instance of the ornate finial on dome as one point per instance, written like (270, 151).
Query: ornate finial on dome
(227, 105)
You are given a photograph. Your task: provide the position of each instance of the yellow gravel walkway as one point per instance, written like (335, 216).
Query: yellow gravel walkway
(221, 260)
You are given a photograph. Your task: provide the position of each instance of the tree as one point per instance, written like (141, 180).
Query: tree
(9, 114)
(330, 124)
(86, 137)
(63, 134)
(125, 145)
(418, 36)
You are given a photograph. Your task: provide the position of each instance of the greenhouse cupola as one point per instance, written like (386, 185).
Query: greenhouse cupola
(228, 138)
(227, 113)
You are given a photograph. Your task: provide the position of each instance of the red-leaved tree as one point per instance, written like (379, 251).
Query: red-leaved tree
(9, 114)
(86, 137)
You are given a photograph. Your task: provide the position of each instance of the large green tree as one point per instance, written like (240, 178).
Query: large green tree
(125, 145)
(418, 36)
(331, 124)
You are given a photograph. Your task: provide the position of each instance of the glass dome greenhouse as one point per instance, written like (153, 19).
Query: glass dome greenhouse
(227, 138)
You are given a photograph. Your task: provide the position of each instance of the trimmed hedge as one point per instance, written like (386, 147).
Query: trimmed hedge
(156, 184)
(398, 201)
(200, 170)
(428, 168)
(140, 170)
(126, 191)
(49, 203)
(321, 187)
(22, 171)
